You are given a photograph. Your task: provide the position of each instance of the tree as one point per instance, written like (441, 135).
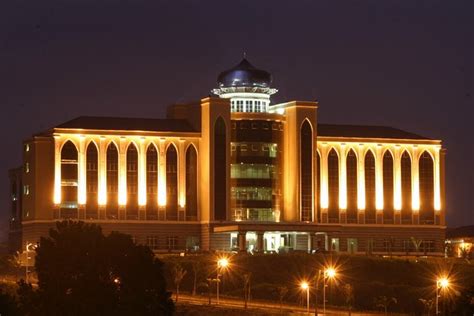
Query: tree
(179, 274)
(348, 291)
(282, 291)
(8, 304)
(247, 276)
(82, 272)
(196, 265)
(427, 305)
(384, 302)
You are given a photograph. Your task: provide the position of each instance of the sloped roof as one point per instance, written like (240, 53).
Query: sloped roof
(365, 131)
(128, 124)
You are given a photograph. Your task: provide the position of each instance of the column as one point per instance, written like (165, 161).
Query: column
(242, 241)
(81, 177)
(142, 179)
(182, 180)
(442, 160)
(260, 243)
(437, 185)
(162, 179)
(415, 183)
(397, 184)
(379, 184)
(122, 174)
(342, 184)
(57, 169)
(102, 176)
(360, 184)
(324, 183)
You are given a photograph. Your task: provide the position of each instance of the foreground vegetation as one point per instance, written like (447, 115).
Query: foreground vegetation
(362, 283)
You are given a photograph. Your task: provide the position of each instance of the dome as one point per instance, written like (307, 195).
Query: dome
(244, 75)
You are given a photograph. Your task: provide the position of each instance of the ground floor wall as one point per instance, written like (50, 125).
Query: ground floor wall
(276, 237)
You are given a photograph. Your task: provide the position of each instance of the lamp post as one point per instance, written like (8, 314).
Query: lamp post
(221, 264)
(442, 283)
(305, 287)
(29, 246)
(329, 273)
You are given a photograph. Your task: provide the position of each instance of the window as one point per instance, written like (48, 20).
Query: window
(257, 106)
(172, 242)
(254, 125)
(388, 188)
(406, 188)
(26, 189)
(369, 188)
(351, 163)
(171, 183)
(152, 242)
(333, 186)
(27, 167)
(265, 125)
(248, 106)
(240, 105)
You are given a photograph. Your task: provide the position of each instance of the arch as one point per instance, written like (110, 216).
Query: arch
(92, 178)
(405, 165)
(306, 121)
(132, 181)
(152, 182)
(426, 172)
(171, 182)
(369, 175)
(69, 179)
(306, 171)
(112, 155)
(351, 174)
(333, 186)
(191, 182)
(68, 142)
(388, 187)
(220, 169)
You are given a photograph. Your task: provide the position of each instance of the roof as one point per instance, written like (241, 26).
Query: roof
(244, 75)
(365, 131)
(128, 124)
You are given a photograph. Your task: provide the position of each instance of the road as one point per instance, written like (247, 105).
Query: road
(274, 307)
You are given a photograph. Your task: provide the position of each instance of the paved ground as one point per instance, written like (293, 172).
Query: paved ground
(268, 308)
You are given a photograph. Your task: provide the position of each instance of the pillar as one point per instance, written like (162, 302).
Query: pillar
(81, 178)
(397, 185)
(324, 183)
(142, 179)
(102, 176)
(415, 183)
(57, 170)
(360, 184)
(342, 184)
(260, 243)
(162, 180)
(122, 177)
(182, 180)
(379, 184)
(242, 242)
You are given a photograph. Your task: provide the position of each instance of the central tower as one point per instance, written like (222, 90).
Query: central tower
(248, 88)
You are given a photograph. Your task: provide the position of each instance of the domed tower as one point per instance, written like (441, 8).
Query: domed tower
(248, 88)
(256, 144)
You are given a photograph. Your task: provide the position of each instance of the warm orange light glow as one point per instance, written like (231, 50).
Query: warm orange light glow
(223, 262)
(330, 273)
(162, 189)
(57, 170)
(443, 282)
(304, 285)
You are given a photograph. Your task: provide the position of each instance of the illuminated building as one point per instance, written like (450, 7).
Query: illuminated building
(235, 171)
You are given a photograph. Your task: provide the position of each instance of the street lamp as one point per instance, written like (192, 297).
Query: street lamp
(222, 263)
(442, 283)
(329, 273)
(305, 287)
(29, 247)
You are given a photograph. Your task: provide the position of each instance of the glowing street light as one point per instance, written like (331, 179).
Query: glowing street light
(329, 273)
(222, 263)
(29, 247)
(305, 287)
(442, 283)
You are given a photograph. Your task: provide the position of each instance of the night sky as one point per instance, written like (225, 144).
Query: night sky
(402, 63)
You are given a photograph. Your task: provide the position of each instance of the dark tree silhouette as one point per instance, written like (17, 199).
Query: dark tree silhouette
(82, 272)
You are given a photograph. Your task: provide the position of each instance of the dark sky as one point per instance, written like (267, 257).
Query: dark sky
(403, 63)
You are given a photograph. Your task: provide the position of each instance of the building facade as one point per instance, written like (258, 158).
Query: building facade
(236, 172)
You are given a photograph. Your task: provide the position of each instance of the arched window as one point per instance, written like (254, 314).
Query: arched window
(426, 189)
(351, 163)
(151, 183)
(306, 171)
(191, 184)
(406, 188)
(333, 186)
(220, 183)
(132, 182)
(318, 186)
(69, 178)
(388, 196)
(112, 182)
(171, 183)
(369, 188)
(92, 161)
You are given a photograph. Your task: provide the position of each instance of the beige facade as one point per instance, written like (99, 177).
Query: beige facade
(238, 172)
